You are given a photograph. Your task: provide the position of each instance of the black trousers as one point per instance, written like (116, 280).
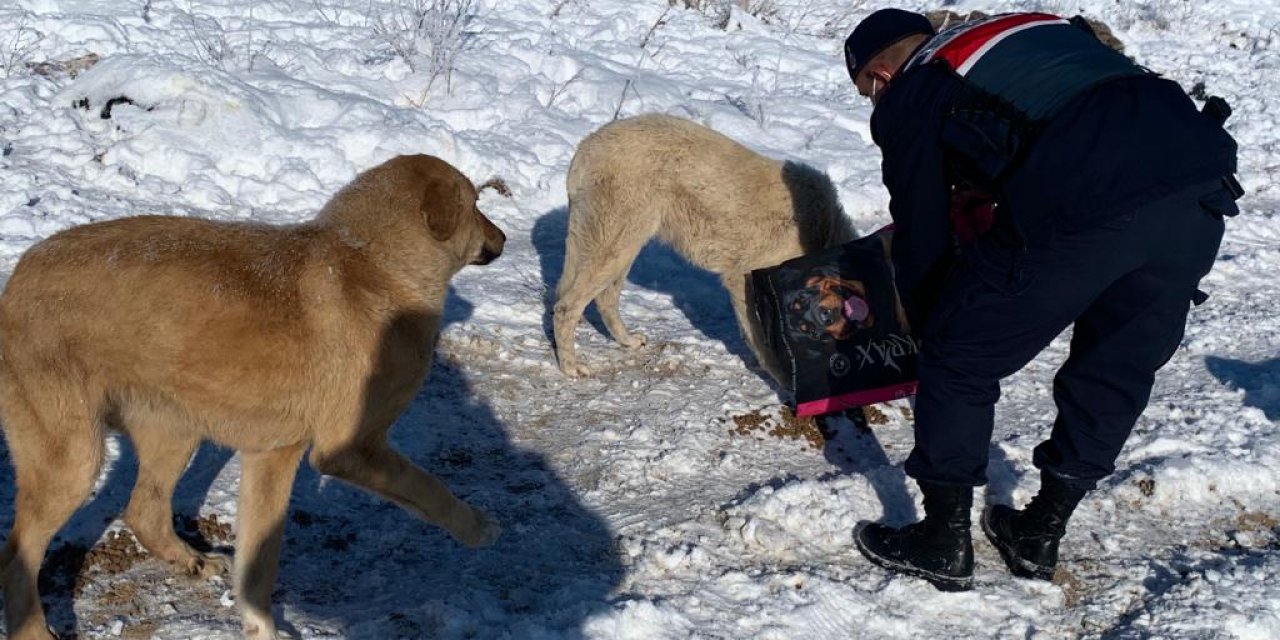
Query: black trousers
(1126, 286)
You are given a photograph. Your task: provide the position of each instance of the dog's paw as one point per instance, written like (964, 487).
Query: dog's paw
(36, 632)
(483, 532)
(200, 565)
(574, 370)
(633, 341)
(208, 565)
(250, 631)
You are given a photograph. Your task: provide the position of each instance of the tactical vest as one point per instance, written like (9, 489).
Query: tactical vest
(1018, 71)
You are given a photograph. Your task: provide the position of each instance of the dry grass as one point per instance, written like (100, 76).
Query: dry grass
(73, 67)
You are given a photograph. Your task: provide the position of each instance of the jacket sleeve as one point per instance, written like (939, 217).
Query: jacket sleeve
(906, 126)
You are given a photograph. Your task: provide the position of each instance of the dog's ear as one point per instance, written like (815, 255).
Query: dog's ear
(442, 205)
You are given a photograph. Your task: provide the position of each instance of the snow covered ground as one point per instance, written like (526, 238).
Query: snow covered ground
(634, 505)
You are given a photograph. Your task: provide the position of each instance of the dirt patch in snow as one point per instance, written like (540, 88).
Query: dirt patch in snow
(782, 425)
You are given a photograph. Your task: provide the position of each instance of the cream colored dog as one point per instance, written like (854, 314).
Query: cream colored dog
(724, 207)
(266, 339)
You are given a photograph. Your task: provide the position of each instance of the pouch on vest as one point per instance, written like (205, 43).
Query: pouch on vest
(981, 145)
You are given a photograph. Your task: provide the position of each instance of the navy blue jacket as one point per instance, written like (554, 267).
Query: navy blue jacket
(1118, 145)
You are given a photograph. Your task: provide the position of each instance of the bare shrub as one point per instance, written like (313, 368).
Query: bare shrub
(822, 19)
(815, 17)
(428, 35)
(212, 43)
(19, 47)
(645, 53)
(559, 89)
(208, 40)
(560, 5)
(721, 11)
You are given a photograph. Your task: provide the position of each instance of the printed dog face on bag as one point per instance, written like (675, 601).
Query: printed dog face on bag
(834, 316)
(828, 305)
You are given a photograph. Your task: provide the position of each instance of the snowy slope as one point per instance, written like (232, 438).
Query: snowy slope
(634, 505)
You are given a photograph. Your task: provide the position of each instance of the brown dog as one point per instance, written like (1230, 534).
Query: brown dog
(721, 205)
(266, 339)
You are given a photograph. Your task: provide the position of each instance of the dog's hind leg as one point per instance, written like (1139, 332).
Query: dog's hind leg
(162, 457)
(565, 318)
(56, 455)
(377, 468)
(597, 259)
(607, 305)
(576, 287)
(266, 481)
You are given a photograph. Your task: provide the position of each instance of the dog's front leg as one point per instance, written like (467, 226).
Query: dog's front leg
(265, 483)
(377, 468)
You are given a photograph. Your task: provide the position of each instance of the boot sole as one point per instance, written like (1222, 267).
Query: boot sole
(939, 581)
(1017, 566)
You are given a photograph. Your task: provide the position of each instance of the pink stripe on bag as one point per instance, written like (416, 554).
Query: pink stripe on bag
(855, 399)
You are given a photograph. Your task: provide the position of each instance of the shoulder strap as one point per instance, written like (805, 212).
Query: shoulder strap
(964, 44)
(1035, 62)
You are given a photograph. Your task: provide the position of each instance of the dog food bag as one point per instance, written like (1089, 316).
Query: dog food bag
(833, 321)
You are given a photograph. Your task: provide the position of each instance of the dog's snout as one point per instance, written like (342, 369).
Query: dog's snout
(494, 241)
(487, 256)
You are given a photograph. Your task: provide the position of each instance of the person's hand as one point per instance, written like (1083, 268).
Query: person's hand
(972, 213)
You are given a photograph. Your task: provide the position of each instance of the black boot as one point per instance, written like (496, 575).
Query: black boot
(1028, 539)
(938, 548)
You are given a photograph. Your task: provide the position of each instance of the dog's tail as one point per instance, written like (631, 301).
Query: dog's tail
(572, 248)
(579, 214)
